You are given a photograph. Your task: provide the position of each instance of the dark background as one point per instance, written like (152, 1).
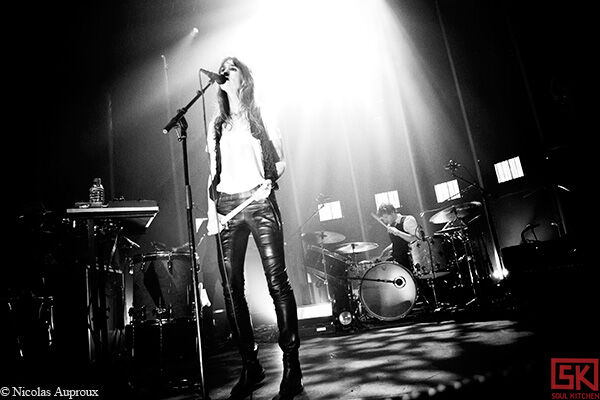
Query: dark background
(65, 61)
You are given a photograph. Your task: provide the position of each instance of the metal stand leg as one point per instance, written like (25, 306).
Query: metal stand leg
(459, 275)
(431, 281)
(326, 279)
(355, 320)
(470, 267)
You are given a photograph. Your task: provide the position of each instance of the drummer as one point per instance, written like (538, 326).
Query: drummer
(403, 229)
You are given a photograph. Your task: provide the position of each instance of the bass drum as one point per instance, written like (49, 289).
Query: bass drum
(388, 291)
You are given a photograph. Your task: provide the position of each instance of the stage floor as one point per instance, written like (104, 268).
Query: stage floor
(491, 351)
(464, 355)
(390, 362)
(444, 358)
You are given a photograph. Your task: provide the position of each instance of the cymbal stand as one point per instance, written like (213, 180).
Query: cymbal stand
(484, 194)
(453, 238)
(298, 232)
(456, 261)
(431, 281)
(326, 276)
(349, 289)
(471, 267)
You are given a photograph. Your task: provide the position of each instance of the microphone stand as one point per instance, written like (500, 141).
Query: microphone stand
(180, 122)
(299, 230)
(303, 251)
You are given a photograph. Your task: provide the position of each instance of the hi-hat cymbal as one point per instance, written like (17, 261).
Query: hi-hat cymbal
(456, 211)
(323, 237)
(356, 247)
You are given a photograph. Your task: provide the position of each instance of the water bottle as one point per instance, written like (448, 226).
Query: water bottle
(97, 193)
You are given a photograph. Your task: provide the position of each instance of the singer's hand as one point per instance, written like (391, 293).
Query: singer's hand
(264, 191)
(214, 228)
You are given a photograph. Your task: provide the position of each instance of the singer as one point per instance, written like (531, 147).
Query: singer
(245, 152)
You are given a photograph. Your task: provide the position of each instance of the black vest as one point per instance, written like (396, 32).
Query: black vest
(400, 246)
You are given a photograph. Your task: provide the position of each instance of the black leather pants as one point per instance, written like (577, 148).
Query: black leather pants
(262, 220)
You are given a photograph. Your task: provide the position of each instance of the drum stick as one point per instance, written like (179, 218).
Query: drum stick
(378, 220)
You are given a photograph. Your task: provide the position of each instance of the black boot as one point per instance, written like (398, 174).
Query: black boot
(251, 376)
(291, 382)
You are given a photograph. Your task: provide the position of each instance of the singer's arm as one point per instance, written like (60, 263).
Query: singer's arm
(275, 137)
(212, 215)
(281, 164)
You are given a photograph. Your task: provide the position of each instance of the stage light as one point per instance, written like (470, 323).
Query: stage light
(194, 32)
(447, 191)
(500, 274)
(329, 211)
(509, 169)
(314, 311)
(345, 318)
(387, 198)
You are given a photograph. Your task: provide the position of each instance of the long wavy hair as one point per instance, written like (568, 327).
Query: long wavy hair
(247, 101)
(252, 113)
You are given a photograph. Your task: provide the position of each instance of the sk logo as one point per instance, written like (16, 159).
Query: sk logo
(574, 373)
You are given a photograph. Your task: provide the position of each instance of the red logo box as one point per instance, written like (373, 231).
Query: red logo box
(571, 373)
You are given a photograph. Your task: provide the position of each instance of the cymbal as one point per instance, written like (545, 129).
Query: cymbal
(356, 247)
(328, 253)
(453, 226)
(449, 229)
(323, 237)
(456, 211)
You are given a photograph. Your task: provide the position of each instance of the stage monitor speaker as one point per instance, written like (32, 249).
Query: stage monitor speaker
(554, 288)
(163, 355)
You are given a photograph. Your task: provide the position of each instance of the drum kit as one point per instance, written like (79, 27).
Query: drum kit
(450, 253)
(386, 290)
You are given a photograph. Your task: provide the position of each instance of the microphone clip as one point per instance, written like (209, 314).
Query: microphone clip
(452, 166)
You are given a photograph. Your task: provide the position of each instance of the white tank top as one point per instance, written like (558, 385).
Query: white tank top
(241, 158)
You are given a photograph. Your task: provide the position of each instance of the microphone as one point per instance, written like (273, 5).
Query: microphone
(219, 78)
(452, 166)
(321, 197)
